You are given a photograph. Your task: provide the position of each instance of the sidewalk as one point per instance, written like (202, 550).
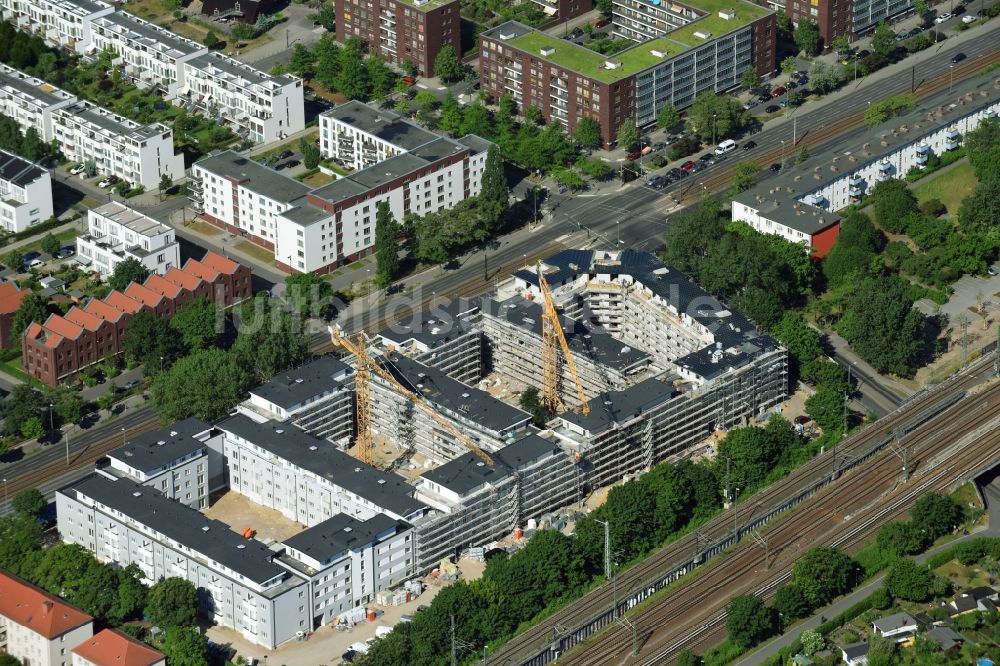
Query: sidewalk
(844, 349)
(770, 649)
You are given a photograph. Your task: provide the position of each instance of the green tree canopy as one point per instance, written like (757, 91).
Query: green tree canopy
(893, 202)
(172, 602)
(744, 177)
(884, 40)
(387, 232)
(34, 308)
(588, 133)
(530, 401)
(628, 136)
(447, 66)
(823, 77)
(901, 538)
(50, 244)
(151, 342)
(748, 620)
(881, 325)
(206, 384)
(717, 116)
(198, 322)
(823, 574)
(753, 451)
(126, 272)
(29, 502)
(912, 582)
(826, 408)
(311, 295)
(185, 646)
(807, 37)
(494, 194)
(791, 603)
(749, 78)
(667, 117)
(24, 402)
(936, 514)
(269, 340)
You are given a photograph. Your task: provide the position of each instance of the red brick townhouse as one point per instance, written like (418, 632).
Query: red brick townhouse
(65, 344)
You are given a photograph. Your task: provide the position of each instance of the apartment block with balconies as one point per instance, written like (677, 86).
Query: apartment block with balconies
(257, 106)
(62, 23)
(30, 101)
(25, 193)
(116, 232)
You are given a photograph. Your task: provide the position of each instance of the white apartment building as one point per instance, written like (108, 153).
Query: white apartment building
(348, 561)
(138, 154)
(62, 23)
(116, 232)
(257, 106)
(149, 55)
(241, 586)
(25, 193)
(30, 101)
(36, 627)
(358, 135)
(770, 211)
(281, 467)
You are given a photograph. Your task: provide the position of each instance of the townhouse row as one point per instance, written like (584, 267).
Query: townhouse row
(256, 105)
(40, 629)
(320, 229)
(65, 344)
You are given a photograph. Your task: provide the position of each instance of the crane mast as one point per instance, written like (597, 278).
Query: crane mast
(553, 339)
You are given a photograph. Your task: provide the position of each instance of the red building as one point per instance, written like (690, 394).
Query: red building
(10, 302)
(63, 345)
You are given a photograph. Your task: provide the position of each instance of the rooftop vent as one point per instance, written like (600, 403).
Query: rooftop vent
(357, 469)
(298, 380)
(347, 529)
(507, 35)
(173, 433)
(312, 447)
(547, 50)
(727, 14)
(241, 546)
(279, 431)
(160, 442)
(702, 35)
(381, 482)
(137, 494)
(612, 64)
(205, 528)
(480, 464)
(658, 53)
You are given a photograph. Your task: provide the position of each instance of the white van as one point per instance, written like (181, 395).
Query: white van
(726, 146)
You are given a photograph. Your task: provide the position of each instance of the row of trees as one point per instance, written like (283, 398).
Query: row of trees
(348, 69)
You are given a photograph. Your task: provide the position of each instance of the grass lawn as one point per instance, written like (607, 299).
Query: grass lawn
(317, 179)
(356, 266)
(13, 368)
(949, 187)
(151, 10)
(63, 236)
(255, 251)
(337, 169)
(963, 576)
(204, 228)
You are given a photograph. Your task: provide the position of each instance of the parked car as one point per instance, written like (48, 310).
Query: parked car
(774, 108)
(128, 386)
(657, 182)
(958, 57)
(942, 18)
(707, 157)
(602, 23)
(778, 92)
(749, 145)
(79, 168)
(687, 167)
(65, 252)
(30, 256)
(775, 168)
(991, 271)
(914, 32)
(659, 145)
(863, 54)
(287, 165)
(749, 105)
(674, 174)
(791, 85)
(764, 98)
(109, 181)
(968, 19)
(634, 155)
(409, 80)
(577, 33)
(35, 263)
(285, 154)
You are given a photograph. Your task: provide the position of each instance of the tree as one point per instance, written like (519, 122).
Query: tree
(302, 62)
(595, 168)
(33, 428)
(387, 232)
(823, 574)
(211, 39)
(936, 514)
(126, 272)
(131, 596)
(687, 658)
(13, 259)
(807, 37)
(172, 602)
(748, 620)
(166, 182)
(24, 402)
(791, 603)
(803, 155)
(151, 342)
(901, 538)
(628, 135)
(50, 244)
(744, 177)
(881, 651)
(921, 9)
(715, 117)
(788, 65)
(567, 178)
(451, 115)
(198, 322)
(269, 340)
(29, 502)
(841, 44)
(884, 40)
(531, 402)
(826, 408)
(588, 133)
(912, 582)
(749, 78)
(33, 309)
(783, 24)
(493, 194)
(352, 78)
(476, 120)
(667, 117)
(9, 660)
(311, 156)
(206, 384)
(184, 646)
(753, 451)
(823, 77)
(980, 211)
(881, 325)
(380, 77)
(447, 66)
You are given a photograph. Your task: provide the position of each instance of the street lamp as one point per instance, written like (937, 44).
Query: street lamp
(52, 427)
(5, 490)
(618, 230)
(714, 116)
(736, 529)
(484, 654)
(951, 77)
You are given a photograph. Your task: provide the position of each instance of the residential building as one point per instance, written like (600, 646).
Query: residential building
(562, 10)
(65, 344)
(30, 101)
(178, 461)
(318, 397)
(842, 17)
(358, 135)
(138, 154)
(975, 599)
(305, 478)
(241, 587)
(900, 627)
(10, 302)
(348, 561)
(855, 654)
(61, 23)
(25, 193)
(148, 55)
(36, 627)
(412, 31)
(244, 11)
(696, 47)
(113, 648)
(258, 106)
(318, 230)
(116, 233)
(770, 211)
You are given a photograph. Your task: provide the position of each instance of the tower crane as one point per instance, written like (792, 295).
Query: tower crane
(362, 391)
(553, 338)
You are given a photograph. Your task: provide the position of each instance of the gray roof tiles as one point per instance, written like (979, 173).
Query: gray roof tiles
(17, 170)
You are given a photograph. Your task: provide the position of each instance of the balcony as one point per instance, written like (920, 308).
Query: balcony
(856, 186)
(952, 139)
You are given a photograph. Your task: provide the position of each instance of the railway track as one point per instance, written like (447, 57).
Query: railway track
(534, 645)
(843, 515)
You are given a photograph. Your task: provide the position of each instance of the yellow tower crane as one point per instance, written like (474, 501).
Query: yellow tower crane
(552, 339)
(363, 392)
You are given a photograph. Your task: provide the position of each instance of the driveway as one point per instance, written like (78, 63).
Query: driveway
(298, 28)
(969, 292)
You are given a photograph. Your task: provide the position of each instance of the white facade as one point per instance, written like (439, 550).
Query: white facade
(149, 55)
(258, 106)
(138, 154)
(38, 628)
(30, 101)
(116, 232)
(35, 649)
(849, 187)
(25, 193)
(63, 23)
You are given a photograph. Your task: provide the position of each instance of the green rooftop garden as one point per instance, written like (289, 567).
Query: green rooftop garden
(426, 5)
(640, 57)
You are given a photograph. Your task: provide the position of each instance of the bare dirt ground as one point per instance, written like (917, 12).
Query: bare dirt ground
(239, 513)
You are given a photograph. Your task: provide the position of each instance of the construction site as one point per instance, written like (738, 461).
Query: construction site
(633, 363)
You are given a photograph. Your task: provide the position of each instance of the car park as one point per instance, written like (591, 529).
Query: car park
(958, 57)
(749, 145)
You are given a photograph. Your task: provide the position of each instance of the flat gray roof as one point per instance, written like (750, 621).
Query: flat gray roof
(131, 218)
(341, 533)
(236, 68)
(152, 35)
(294, 387)
(468, 472)
(386, 125)
(18, 170)
(433, 327)
(614, 407)
(387, 491)
(254, 176)
(775, 205)
(157, 448)
(45, 93)
(211, 538)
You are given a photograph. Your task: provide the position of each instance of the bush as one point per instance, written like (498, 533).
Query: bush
(933, 207)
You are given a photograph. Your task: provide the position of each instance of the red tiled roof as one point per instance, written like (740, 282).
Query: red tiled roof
(103, 310)
(161, 286)
(120, 301)
(143, 295)
(111, 648)
(85, 319)
(32, 607)
(62, 326)
(179, 277)
(10, 297)
(201, 270)
(34, 330)
(220, 263)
